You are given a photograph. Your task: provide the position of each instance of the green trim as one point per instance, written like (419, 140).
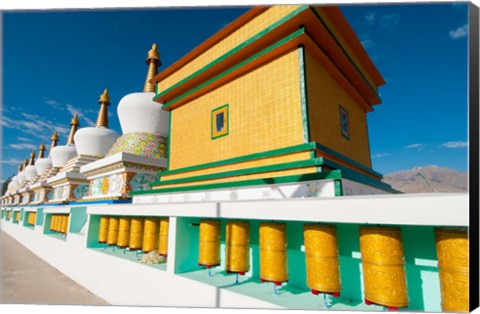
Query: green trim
(338, 187)
(169, 138)
(303, 93)
(356, 176)
(255, 156)
(333, 174)
(346, 159)
(234, 68)
(241, 172)
(342, 109)
(212, 122)
(344, 51)
(235, 50)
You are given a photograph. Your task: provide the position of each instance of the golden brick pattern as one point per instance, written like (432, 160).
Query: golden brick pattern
(247, 31)
(272, 92)
(325, 94)
(272, 174)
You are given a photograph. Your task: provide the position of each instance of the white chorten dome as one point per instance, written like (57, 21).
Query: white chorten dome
(61, 154)
(96, 141)
(13, 184)
(21, 178)
(138, 113)
(42, 164)
(30, 171)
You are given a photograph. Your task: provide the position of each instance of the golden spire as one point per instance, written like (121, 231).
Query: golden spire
(41, 148)
(25, 163)
(104, 101)
(20, 168)
(74, 123)
(54, 140)
(153, 61)
(32, 159)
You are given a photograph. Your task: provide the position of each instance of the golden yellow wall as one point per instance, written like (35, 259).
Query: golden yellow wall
(347, 48)
(272, 174)
(325, 95)
(247, 31)
(264, 114)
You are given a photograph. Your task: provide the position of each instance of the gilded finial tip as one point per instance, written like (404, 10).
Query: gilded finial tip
(74, 120)
(42, 146)
(104, 98)
(153, 54)
(54, 136)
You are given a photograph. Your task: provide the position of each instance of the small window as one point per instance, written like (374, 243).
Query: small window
(219, 122)
(344, 123)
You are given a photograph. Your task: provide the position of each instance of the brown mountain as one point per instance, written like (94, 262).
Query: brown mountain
(429, 179)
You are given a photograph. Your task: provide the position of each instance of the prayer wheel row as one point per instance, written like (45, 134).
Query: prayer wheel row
(136, 233)
(31, 218)
(59, 223)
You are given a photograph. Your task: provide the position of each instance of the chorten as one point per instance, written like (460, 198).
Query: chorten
(30, 174)
(45, 170)
(140, 152)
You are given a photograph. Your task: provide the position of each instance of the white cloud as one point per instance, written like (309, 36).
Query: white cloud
(389, 20)
(11, 161)
(52, 103)
(22, 146)
(368, 43)
(82, 114)
(416, 145)
(460, 32)
(23, 139)
(34, 125)
(370, 18)
(380, 155)
(456, 144)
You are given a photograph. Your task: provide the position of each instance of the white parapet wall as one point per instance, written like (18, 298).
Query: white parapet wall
(124, 282)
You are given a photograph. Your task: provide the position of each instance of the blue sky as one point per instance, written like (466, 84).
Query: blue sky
(57, 63)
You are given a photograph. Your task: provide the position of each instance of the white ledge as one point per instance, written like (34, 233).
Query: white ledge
(123, 157)
(399, 209)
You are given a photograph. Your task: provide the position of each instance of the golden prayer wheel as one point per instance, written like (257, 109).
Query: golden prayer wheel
(237, 247)
(453, 268)
(150, 234)
(64, 224)
(55, 222)
(34, 218)
(383, 266)
(209, 245)
(103, 229)
(273, 252)
(321, 258)
(123, 232)
(112, 231)
(163, 237)
(52, 222)
(17, 216)
(136, 233)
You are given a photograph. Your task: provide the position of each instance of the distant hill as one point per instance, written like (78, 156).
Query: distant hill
(430, 179)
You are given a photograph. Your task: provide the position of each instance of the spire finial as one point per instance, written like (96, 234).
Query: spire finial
(20, 168)
(42, 149)
(104, 101)
(153, 61)
(74, 123)
(25, 163)
(32, 159)
(54, 140)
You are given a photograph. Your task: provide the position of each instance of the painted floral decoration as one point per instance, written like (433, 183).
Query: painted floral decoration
(152, 145)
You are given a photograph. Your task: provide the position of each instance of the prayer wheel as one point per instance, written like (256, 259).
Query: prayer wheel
(112, 231)
(383, 266)
(163, 237)
(34, 217)
(453, 268)
(17, 216)
(209, 246)
(123, 232)
(55, 223)
(321, 258)
(103, 229)
(64, 224)
(52, 221)
(150, 234)
(273, 252)
(136, 233)
(237, 247)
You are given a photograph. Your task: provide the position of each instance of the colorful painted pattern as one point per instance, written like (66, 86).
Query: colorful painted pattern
(107, 185)
(80, 191)
(142, 181)
(152, 145)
